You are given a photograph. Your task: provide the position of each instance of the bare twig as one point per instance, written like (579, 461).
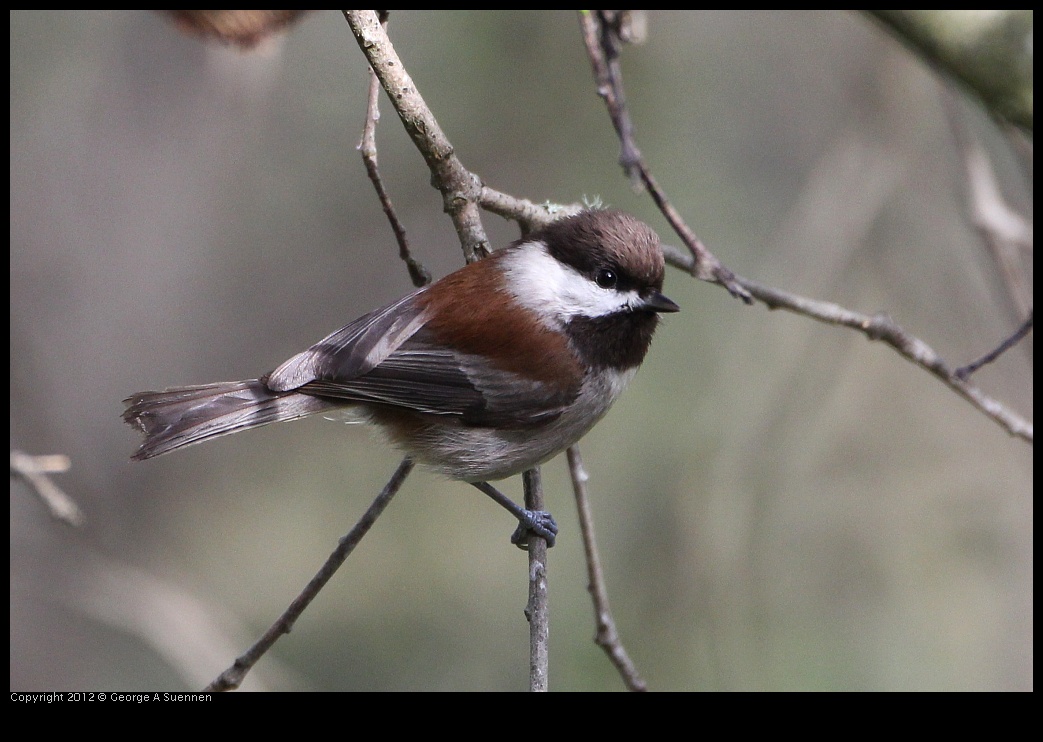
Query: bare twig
(602, 49)
(459, 187)
(610, 86)
(33, 470)
(420, 275)
(876, 327)
(529, 215)
(602, 42)
(606, 637)
(537, 609)
(964, 372)
(462, 193)
(233, 676)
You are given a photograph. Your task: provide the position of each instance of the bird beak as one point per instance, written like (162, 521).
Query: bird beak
(659, 303)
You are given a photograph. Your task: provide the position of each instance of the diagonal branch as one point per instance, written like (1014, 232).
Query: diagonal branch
(964, 372)
(231, 678)
(459, 187)
(606, 637)
(601, 36)
(877, 327)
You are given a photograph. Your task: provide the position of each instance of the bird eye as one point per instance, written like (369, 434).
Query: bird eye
(606, 278)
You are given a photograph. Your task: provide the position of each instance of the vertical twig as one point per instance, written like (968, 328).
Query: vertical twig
(461, 193)
(459, 187)
(537, 608)
(420, 275)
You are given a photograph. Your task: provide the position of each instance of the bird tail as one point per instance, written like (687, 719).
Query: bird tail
(180, 417)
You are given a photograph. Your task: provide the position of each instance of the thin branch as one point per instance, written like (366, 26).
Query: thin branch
(529, 215)
(537, 610)
(606, 637)
(963, 373)
(231, 678)
(462, 191)
(459, 187)
(420, 275)
(33, 470)
(602, 41)
(605, 58)
(876, 327)
(1007, 233)
(602, 48)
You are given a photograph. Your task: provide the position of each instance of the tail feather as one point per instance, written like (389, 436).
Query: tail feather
(180, 417)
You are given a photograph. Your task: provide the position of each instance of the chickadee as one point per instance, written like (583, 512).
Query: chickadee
(488, 372)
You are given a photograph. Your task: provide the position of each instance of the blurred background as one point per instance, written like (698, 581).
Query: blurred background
(780, 505)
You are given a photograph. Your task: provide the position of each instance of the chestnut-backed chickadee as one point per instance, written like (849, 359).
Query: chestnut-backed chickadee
(486, 373)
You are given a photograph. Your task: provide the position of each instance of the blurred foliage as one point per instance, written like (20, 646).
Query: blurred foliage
(989, 51)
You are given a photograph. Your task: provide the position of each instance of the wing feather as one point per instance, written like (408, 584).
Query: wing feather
(390, 357)
(354, 349)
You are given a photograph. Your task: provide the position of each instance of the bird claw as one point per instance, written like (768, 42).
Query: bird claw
(538, 522)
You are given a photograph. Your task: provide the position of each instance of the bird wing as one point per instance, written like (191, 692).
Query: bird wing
(389, 357)
(354, 349)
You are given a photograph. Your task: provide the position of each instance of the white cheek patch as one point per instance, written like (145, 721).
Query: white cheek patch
(557, 292)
